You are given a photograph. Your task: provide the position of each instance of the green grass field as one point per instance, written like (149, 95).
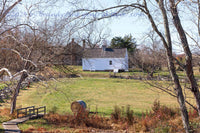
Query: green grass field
(96, 89)
(103, 93)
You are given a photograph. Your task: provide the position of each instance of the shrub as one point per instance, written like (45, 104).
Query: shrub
(193, 114)
(96, 121)
(54, 118)
(156, 106)
(5, 115)
(116, 115)
(129, 115)
(124, 116)
(160, 114)
(82, 119)
(163, 112)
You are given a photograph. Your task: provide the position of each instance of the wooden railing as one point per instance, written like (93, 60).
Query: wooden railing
(23, 112)
(31, 111)
(37, 111)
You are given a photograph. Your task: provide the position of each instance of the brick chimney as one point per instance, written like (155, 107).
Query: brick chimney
(72, 40)
(83, 44)
(72, 45)
(71, 50)
(104, 47)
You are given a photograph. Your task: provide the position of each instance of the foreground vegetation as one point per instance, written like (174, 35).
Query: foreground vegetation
(159, 119)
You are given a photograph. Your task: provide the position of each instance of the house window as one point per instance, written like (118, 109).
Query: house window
(110, 62)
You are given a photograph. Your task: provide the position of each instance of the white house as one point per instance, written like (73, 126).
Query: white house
(105, 59)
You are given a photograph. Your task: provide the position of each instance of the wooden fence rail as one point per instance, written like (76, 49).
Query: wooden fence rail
(31, 111)
(24, 111)
(37, 111)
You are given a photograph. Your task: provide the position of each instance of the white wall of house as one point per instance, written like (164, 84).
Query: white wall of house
(101, 64)
(126, 61)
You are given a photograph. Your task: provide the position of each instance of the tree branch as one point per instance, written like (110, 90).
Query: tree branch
(170, 93)
(2, 70)
(8, 10)
(179, 63)
(19, 55)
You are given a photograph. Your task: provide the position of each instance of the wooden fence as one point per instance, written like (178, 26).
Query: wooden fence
(31, 111)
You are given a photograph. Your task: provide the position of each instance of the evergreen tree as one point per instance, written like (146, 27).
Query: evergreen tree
(126, 42)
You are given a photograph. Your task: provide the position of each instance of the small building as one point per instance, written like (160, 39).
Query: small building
(71, 54)
(105, 59)
(74, 53)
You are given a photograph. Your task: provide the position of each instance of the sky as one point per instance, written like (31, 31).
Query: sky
(117, 26)
(126, 25)
(138, 25)
(135, 24)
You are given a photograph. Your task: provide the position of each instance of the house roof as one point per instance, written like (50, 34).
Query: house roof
(107, 53)
(74, 48)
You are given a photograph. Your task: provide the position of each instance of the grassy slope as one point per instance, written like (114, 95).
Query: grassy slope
(106, 93)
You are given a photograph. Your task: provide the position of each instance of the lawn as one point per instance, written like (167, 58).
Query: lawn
(103, 93)
(97, 91)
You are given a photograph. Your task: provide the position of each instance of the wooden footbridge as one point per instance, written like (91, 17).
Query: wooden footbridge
(23, 114)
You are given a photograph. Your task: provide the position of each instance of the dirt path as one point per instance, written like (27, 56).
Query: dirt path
(11, 126)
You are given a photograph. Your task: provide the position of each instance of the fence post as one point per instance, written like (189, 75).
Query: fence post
(29, 112)
(44, 110)
(26, 112)
(37, 112)
(33, 111)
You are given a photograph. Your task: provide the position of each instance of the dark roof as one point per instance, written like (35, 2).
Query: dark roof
(73, 47)
(107, 53)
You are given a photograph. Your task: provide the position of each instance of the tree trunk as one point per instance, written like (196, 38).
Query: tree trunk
(24, 75)
(16, 92)
(179, 93)
(188, 54)
(168, 46)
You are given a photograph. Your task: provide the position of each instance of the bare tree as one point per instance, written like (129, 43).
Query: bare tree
(6, 8)
(24, 56)
(23, 73)
(19, 44)
(143, 6)
(151, 54)
(94, 35)
(188, 55)
(149, 59)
